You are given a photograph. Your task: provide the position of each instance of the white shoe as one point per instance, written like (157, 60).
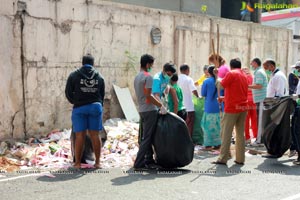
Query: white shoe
(292, 153)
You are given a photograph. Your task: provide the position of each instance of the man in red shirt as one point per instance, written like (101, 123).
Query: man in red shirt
(236, 88)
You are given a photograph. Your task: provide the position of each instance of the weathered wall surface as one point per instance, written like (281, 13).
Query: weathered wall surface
(45, 40)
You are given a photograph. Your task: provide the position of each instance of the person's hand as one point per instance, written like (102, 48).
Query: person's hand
(216, 71)
(162, 110)
(221, 99)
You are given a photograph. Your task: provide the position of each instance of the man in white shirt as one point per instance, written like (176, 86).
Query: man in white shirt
(278, 84)
(188, 88)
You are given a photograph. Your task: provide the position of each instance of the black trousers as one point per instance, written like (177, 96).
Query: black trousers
(295, 129)
(148, 125)
(182, 113)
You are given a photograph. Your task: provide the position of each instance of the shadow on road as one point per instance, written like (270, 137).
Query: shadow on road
(133, 176)
(64, 175)
(220, 171)
(275, 166)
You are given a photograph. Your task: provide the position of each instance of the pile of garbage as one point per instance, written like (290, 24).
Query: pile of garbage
(121, 146)
(54, 150)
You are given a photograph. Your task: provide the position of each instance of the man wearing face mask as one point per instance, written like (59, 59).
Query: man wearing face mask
(294, 78)
(161, 80)
(259, 91)
(189, 89)
(278, 84)
(293, 82)
(148, 105)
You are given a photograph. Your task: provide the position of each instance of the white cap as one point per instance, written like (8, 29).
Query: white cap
(296, 65)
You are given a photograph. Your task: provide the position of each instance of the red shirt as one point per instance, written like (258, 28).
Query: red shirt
(236, 87)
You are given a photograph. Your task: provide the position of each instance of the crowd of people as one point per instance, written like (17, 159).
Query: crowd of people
(233, 103)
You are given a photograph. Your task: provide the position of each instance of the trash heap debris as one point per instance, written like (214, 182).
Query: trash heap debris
(54, 150)
(121, 145)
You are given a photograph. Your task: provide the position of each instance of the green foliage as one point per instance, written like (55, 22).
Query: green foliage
(132, 61)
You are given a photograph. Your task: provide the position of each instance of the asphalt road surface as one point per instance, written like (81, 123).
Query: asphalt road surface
(259, 178)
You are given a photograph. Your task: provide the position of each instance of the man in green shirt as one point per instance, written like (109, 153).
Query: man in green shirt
(259, 91)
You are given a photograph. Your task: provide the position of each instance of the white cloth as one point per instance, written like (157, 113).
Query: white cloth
(187, 85)
(298, 88)
(278, 85)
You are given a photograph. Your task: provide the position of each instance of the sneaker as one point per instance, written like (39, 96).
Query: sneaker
(296, 162)
(292, 153)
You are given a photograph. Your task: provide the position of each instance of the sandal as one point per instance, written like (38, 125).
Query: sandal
(218, 163)
(238, 163)
(97, 166)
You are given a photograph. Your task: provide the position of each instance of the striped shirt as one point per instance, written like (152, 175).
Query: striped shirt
(260, 78)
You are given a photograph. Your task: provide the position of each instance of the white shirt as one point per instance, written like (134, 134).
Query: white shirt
(298, 88)
(187, 85)
(278, 85)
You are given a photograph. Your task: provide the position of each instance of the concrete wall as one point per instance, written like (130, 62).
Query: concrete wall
(45, 40)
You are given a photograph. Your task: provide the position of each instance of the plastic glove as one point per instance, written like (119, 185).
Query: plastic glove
(162, 110)
(221, 99)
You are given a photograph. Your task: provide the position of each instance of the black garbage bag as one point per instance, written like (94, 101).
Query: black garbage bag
(296, 128)
(276, 125)
(88, 152)
(172, 143)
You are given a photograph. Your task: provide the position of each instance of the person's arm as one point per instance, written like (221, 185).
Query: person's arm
(193, 88)
(280, 86)
(204, 89)
(257, 81)
(195, 92)
(149, 92)
(255, 86)
(156, 87)
(69, 90)
(150, 97)
(102, 90)
(175, 99)
(157, 96)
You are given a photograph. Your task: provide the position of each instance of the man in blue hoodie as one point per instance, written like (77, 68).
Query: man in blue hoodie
(85, 89)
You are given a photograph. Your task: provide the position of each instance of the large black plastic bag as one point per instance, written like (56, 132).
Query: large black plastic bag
(88, 152)
(173, 145)
(276, 124)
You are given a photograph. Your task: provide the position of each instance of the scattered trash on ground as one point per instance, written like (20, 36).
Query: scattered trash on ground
(54, 150)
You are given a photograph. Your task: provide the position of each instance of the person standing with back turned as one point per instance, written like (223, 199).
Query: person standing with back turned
(236, 87)
(189, 89)
(85, 89)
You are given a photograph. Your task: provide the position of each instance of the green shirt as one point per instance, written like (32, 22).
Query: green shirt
(260, 78)
(179, 96)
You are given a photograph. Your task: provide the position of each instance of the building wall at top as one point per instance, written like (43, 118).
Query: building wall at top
(212, 8)
(45, 41)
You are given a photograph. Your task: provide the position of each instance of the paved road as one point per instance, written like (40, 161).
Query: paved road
(259, 178)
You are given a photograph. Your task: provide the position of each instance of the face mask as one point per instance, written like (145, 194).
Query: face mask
(268, 72)
(166, 76)
(149, 69)
(296, 72)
